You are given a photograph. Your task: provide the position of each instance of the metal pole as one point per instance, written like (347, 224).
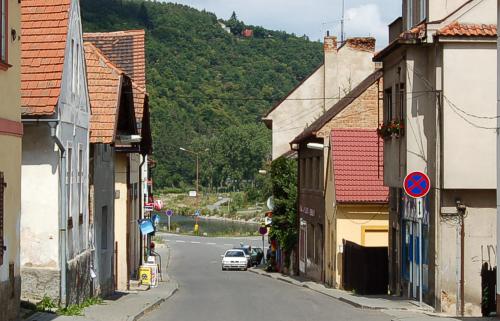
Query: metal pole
(263, 250)
(498, 164)
(462, 264)
(168, 223)
(342, 24)
(420, 261)
(197, 180)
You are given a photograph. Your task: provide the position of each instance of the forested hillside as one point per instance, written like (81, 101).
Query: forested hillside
(208, 88)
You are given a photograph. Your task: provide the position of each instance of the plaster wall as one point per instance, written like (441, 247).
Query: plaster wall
(465, 66)
(102, 201)
(480, 247)
(121, 220)
(135, 214)
(294, 114)
(440, 9)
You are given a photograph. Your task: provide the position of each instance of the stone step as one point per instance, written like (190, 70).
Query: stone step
(135, 285)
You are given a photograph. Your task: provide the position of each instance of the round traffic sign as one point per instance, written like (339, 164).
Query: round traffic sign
(169, 212)
(417, 184)
(263, 230)
(197, 213)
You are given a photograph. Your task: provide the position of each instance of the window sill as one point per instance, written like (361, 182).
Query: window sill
(4, 66)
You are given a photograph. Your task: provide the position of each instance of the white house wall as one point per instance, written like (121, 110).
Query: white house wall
(39, 213)
(469, 84)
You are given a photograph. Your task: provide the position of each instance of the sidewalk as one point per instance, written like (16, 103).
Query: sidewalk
(398, 308)
(130, 306)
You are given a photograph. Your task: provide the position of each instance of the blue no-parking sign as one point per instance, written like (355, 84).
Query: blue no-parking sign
(417, 184)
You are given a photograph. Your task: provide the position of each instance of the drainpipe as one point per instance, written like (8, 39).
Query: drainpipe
(498, 165)
(62, 209)
(141, 202)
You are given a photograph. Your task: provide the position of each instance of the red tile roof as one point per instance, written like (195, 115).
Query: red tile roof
(44, 28)
(357, 156)
(139, 98)
(456, 29)
(126, 49)
(104, 84)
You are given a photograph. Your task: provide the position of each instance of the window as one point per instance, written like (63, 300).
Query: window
(423, 10)
(77, 75)
(409, 14)
(80, 180)
(3, 31)
(2, 243)
(401, 101)
(69, 179)
(104, 228)
(388, 112)
(74, 63)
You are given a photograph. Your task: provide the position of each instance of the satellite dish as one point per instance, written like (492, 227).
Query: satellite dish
(270, 203)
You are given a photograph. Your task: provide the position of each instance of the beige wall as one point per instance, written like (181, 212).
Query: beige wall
(469, 84)
(121, 221)
(343, 69)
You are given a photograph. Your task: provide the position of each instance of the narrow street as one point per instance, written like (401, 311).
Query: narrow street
(209, 294)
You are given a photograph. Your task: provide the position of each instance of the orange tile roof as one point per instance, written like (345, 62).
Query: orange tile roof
(44, 28)
(126, 49)
(457, 29)
(104, 84)
(139, 98)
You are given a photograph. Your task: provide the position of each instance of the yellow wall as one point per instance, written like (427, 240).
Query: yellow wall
(10, 157)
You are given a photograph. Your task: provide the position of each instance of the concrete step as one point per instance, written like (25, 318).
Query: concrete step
(135, 285)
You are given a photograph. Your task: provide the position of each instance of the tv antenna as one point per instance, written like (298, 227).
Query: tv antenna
(342, 22)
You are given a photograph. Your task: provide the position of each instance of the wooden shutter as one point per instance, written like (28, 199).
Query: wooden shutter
(2, 244)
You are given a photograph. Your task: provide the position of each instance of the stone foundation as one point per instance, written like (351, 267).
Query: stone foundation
(40, 282)
(10, 292)
(78, 278)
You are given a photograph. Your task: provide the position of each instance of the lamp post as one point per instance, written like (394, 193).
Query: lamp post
(197, 154)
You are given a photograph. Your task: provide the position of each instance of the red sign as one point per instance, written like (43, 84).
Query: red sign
(417, 184)
(263, 230)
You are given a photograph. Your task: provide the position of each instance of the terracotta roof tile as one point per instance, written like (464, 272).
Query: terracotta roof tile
(457, 29)
(44, 27)
(104, 83)
(126, 49)
(357, 156)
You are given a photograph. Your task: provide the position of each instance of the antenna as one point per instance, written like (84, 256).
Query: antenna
(342, 23)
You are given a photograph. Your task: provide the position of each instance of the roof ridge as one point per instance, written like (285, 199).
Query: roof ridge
(130, 31)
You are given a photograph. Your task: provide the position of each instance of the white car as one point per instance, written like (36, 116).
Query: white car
(234, 259)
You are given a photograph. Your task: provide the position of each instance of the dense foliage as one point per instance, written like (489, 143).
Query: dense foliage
(284, 186)
(208, 88)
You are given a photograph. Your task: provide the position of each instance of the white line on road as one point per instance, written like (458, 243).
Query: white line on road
(211, 243)
(194, 242)
(228, 244)
(180, 241)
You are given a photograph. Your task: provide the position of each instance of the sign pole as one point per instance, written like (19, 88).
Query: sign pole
(420, 215)
(263, 250)
(168, 223)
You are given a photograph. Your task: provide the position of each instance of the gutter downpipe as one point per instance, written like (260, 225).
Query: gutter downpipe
(62, 210)
(141, 245)
(498, 164)
(53, 123)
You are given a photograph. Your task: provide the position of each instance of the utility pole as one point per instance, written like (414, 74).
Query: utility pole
(342, 23)
(498, 163)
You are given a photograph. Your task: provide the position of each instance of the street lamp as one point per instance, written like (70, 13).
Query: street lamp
(197, 169)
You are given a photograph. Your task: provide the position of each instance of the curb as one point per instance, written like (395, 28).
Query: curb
(155, 304)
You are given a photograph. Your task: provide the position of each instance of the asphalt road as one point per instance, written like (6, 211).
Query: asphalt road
(206, 293)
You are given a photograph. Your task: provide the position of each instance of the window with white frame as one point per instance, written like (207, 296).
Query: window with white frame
(80, 180)
(409, 14)
(423, 10)
(74, 64)
(3, 31)
(69, 178)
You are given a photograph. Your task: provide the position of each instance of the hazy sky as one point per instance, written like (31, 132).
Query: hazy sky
(310, 17)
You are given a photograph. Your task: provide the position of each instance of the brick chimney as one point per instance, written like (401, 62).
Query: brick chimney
(361, 43)
(330, 43)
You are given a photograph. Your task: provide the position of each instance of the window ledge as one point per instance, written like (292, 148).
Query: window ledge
(4, 66)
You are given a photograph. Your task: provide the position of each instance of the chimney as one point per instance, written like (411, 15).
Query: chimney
(362, 43)
(330, 43)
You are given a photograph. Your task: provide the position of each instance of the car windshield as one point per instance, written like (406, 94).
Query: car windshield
(245, 249)
(234, 254)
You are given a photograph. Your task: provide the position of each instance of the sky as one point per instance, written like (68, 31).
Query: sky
(310, 17)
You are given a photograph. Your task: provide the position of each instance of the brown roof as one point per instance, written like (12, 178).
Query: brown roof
(139, 99)
(339, 106)
(104, 85)
(456, 29)
(44, 28)
(126, 49)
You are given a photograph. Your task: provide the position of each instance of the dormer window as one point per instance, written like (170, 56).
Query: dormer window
(3, 31)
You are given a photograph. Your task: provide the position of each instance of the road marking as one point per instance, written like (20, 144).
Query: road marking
(193, 242)
(228, 244)
(211, 243)
(180, 241)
